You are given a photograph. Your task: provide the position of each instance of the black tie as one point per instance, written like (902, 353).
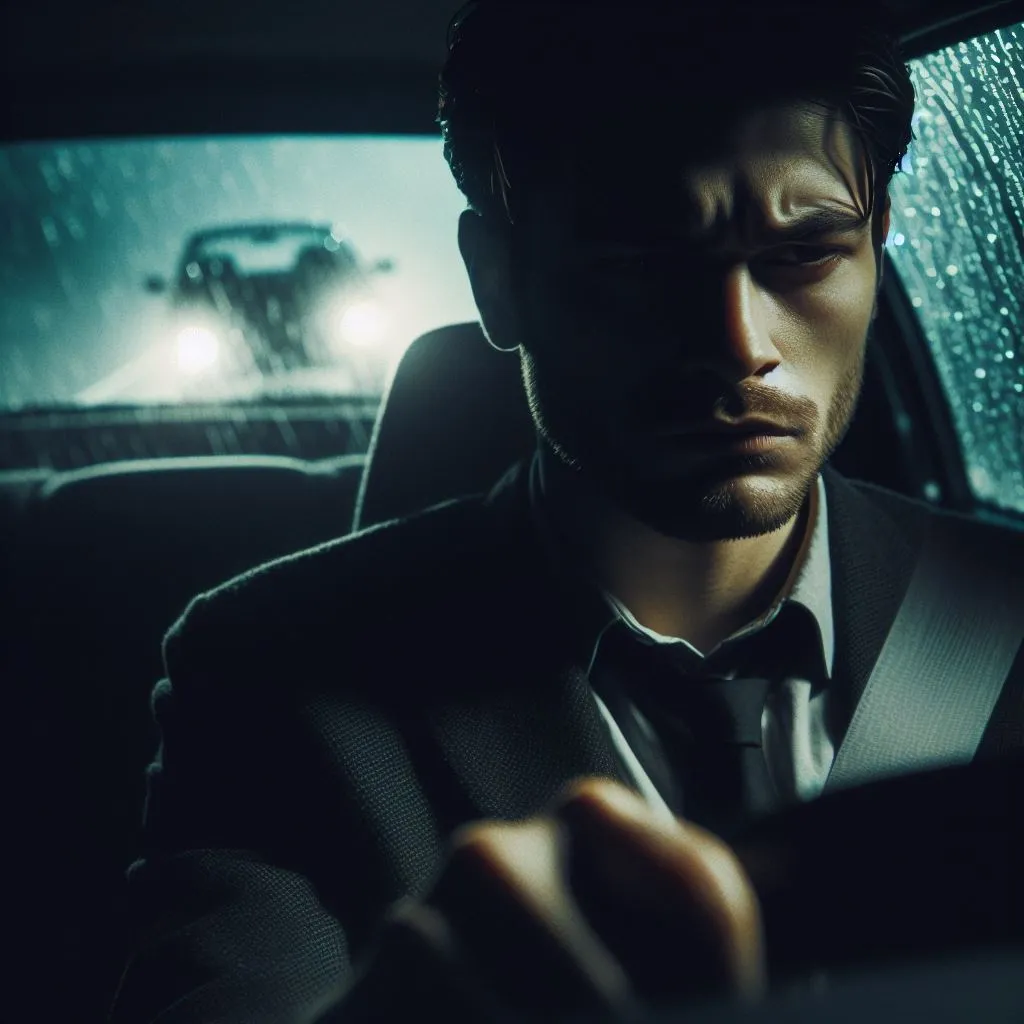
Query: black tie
(711, 766)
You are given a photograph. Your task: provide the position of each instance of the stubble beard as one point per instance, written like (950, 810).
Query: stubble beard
(702, 508)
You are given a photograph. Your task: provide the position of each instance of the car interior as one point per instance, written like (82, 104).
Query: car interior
(113, 518)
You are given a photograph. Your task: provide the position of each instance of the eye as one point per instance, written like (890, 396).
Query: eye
(803, 256)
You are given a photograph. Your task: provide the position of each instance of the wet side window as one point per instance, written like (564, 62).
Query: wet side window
(957, 243)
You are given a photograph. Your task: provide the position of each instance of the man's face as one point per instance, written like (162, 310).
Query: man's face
(658, 304)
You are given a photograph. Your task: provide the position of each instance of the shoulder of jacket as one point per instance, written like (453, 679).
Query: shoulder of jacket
(316, 596)
(989, 538)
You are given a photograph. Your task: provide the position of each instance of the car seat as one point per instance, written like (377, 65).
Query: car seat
(98, 563)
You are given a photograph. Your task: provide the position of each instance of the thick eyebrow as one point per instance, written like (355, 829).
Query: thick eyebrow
(823, 221)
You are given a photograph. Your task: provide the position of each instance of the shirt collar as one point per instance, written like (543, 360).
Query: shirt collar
(812, 581)
(809, 584)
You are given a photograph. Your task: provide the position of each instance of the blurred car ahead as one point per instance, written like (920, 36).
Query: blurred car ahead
(274, 298)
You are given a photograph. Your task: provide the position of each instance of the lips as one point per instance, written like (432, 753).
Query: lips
(738, 431)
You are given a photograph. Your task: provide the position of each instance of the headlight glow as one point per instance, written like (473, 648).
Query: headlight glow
(198, 348)
(362, 323)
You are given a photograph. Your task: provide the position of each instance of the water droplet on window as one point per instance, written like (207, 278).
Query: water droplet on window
(991, 237)
(898, 239)
(909, 211)
(952, 270)
(936, 211)
(958, 316)
(932, 491)
(916, 302)
(50, 232)
(979, 373)
(980, 480)
(1004, 311)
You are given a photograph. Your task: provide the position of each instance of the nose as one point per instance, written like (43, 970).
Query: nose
(735, 336)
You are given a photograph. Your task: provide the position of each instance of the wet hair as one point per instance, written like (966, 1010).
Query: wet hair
(529, 82)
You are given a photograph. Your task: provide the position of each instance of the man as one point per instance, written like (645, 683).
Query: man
(359, 809)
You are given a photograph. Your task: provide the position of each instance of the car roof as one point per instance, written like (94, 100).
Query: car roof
(395, 34)
(370, 67)
(269, 230)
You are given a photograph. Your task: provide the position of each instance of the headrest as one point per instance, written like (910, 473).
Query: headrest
(453, 420)
(179, 523)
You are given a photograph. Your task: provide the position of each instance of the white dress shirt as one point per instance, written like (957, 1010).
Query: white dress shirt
(797, 745)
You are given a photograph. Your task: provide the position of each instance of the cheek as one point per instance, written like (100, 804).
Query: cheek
(820, 333)
(574, 332)
(611, 339)
(579, 386)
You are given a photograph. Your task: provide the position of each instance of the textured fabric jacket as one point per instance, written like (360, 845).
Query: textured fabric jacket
(327, 720)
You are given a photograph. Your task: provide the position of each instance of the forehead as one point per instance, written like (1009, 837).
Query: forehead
(767, 168)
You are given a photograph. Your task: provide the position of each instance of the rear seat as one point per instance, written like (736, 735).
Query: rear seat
(96, 566)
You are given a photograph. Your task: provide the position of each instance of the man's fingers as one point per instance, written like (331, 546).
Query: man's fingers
(671, 900)
(581, 910)
(505, 894)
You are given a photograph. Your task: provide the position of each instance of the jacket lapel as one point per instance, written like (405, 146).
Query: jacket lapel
(872, 561)
(515, 750)
(524, 723)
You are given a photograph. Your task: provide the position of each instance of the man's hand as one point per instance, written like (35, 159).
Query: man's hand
(592, 907)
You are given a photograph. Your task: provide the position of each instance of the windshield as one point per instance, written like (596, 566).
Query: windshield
(178, 269)
(164, 272)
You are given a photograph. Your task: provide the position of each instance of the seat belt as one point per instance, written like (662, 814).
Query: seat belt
(942, 667)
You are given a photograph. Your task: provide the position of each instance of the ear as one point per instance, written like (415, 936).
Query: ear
(485, 251)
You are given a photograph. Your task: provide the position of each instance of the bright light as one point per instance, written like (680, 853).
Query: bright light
(362, 323)
(198, 349)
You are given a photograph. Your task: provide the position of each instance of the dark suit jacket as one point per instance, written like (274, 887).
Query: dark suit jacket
(330, 718)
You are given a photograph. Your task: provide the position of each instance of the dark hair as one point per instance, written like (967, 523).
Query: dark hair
(526, 77)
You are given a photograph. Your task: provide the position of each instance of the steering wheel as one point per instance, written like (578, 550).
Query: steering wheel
(914, 865)
(898, 900)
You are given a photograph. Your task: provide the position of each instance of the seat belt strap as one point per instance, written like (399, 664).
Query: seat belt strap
(942, 667)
